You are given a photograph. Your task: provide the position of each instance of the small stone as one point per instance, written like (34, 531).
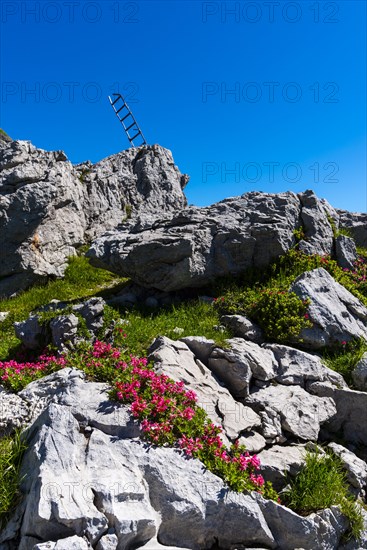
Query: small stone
(243, 328)
(253, 441)
(3, 315)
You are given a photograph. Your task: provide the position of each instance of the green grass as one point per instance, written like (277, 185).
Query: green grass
(320, 484)
(80, 282)
(345, 359)
(11, 453)
(192, 318)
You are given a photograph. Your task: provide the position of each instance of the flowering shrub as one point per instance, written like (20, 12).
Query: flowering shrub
(16, 375)
(168, 413)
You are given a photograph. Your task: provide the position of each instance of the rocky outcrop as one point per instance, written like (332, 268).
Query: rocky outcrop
(356, 225)
(176, 361)
(64, 327)
(196, 245)
(336, 315)
(49, 208)
(113, 491)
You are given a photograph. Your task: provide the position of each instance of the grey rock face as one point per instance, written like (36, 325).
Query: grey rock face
(62, 329)
(356, 467)
(350, 420)
(237, 365)
(107, 479)
(346, 252)
(359, 374)
(336, 314)
(112, 491)
(176, 361)
(317, 228)
(30, 332)
(280, 462)
(49, 208)
(356, 223)
(195, 245)
(70, 543)
(296, 367)
(299, 413)
(14, 412)
(192, 247)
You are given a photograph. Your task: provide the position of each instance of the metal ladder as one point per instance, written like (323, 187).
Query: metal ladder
(127, 120)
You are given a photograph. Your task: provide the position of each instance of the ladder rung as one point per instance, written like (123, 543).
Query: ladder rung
(136, 135)
(129, 114)
(116, 100)
(131, 125)
(120, 109)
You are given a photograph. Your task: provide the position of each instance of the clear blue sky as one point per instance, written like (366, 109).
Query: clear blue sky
(296, 117)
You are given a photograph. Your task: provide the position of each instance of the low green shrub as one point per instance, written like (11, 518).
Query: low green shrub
(281, 314)
(322, 483)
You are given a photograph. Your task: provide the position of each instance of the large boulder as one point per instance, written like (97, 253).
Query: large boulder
(192, 247)
(336, 315)
(49, 208)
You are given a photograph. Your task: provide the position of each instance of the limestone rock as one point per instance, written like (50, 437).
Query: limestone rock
(336, 314)
(300, 414)
(31, 332)
(359, 374)
(201, 347)
(64, 329)
(297, 367)
(253, 441)
(176, 361)
(319, 236)
(356, 467)
(243, 328)
(322, 531)
(61, 330)
(110, 485)
(360, 544)
(351, 406)
(14, 412)
(346, 252)
(280, 462)
(190, 248)
(49, 208)
(356, 224)
(242, 360)
(69, 543)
